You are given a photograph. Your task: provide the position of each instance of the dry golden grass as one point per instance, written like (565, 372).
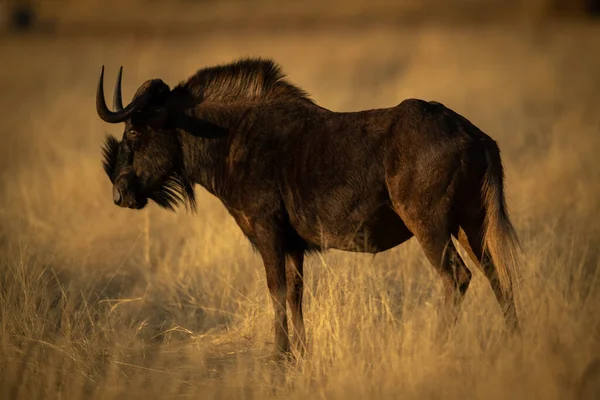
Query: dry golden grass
(101, 302)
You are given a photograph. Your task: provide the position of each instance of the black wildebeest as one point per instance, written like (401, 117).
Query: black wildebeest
(297, 177)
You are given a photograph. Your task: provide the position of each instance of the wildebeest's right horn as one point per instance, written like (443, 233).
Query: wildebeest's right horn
(117, 100)
(124, 113)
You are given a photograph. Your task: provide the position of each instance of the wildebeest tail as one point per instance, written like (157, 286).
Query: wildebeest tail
(500, 238)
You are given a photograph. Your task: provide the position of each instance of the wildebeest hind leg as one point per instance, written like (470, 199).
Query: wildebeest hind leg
(435, 239)
(470, 237)
(442, 254)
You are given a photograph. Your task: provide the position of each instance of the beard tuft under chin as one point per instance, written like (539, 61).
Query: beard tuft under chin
(173, 192)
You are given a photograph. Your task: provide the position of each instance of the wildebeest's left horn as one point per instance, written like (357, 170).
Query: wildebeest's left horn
(124, 113)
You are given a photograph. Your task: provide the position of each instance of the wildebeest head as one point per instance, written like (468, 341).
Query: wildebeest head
(143, 165)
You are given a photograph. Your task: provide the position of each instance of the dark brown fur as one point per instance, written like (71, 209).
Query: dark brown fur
(297, 177)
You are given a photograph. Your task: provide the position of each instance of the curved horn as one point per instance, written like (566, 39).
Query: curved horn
(121, 115)
(117, 100)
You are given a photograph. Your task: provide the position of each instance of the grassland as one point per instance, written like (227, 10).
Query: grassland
(100, 302)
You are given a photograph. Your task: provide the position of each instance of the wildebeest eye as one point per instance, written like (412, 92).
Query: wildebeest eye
(133, 133)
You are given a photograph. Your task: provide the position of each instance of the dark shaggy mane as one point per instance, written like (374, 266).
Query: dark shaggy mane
(246, 80)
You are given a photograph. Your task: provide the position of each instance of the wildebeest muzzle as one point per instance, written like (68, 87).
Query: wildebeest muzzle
(125, 193)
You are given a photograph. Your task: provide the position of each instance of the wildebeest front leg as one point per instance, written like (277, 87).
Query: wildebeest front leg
(295, 286)
(274, 260)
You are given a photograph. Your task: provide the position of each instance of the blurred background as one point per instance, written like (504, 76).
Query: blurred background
(101, 302)
(204, 15)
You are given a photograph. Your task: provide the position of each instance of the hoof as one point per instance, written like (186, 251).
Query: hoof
(282, 356)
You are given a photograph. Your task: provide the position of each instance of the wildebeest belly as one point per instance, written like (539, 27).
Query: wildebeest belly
(374, 233)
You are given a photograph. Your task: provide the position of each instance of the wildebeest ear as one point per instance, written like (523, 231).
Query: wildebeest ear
(155, 117)
(196, 127)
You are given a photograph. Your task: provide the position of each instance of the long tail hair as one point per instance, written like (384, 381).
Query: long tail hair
(499, 238)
